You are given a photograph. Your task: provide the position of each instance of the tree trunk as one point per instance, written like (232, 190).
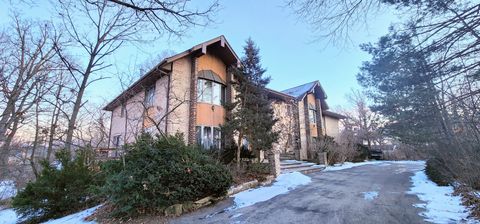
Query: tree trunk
(54, 122)
(76, 109)
(35, 142)
(239, 149)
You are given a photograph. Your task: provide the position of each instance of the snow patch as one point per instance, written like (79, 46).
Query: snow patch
(348, 165)
(8, 216)
(76, 218)
(370, 195)
(7, 189)
(283, 184)
(236, 215)
(440, 204)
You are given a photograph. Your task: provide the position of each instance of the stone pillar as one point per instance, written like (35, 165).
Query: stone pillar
(274, 162)
(322, 158)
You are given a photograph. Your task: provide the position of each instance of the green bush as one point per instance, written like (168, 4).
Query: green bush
(57, 192)
(161, 172)
(436, 171)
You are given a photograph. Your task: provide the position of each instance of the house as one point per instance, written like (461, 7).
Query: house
(184, 93)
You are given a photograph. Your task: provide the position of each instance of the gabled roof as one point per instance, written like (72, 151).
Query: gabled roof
(299, 92)
(219, 45)
(278, 95)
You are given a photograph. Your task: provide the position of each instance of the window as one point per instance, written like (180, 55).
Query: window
(149, 96)
(312, 114)
(210, 92)
(209, 137)
(116, 141)
(122, 110)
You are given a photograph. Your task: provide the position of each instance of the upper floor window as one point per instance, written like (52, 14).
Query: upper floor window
(122, 110)
(210, 92)
(149, 96)
(312, 113)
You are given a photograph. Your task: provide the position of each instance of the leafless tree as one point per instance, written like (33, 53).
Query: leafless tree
(26, 63)
(114, 23)
(170, 17)
(362, 126)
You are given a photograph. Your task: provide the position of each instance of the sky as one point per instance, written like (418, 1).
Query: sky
(286, 44)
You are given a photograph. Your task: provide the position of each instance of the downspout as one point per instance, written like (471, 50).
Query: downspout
(168, 101)
(110, 130)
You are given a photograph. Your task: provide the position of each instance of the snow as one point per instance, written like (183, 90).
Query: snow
(283, 184)
(439, 202)
(348, 165)
(7, 189)
(369, 196)
(8, 216)
(76, 218)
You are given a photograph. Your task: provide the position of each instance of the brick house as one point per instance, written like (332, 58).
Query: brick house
(184, 93)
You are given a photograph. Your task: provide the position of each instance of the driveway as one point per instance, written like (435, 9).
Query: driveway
(364, 194)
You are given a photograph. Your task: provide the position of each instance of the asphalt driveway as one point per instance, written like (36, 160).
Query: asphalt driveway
(364, 194)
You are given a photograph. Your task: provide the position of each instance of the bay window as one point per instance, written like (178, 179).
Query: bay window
(210, 92)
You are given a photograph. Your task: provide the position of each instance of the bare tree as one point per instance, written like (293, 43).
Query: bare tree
(362, 126)
(26, 61)
(114, 23)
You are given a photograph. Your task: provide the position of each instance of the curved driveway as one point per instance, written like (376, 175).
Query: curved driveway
(364, 194)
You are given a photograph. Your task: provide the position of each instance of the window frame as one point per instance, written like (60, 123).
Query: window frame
(312, 113)
(210, 94)
(209, 142)
(149, 96)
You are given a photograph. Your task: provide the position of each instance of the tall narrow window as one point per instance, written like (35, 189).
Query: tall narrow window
(122, 110)
(217, 138)
(198, 134)
(312, 114)
(116, 141)
(149, 96)
(217, 94)
(207, 137)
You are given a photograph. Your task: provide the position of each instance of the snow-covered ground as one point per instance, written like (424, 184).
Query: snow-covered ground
(440, 204)
(348, 165)
(8, 216)
(370, 195)
(7, 189)
(283, 184)
(76, 218)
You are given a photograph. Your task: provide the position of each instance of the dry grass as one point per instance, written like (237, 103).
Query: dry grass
(470, 199)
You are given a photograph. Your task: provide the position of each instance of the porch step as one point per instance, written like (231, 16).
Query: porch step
(287, 156)
(296, 165)
(288, 166)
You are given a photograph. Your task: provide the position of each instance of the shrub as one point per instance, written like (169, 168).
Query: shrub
(436, 172)
(58, 191)
(162, 172)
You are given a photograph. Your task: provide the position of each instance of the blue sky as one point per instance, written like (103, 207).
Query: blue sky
(286, 48)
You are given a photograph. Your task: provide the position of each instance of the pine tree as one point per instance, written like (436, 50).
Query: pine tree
(251, 116)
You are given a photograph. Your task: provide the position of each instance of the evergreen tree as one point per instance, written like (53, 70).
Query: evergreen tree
(400, 82)
(250, 116)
